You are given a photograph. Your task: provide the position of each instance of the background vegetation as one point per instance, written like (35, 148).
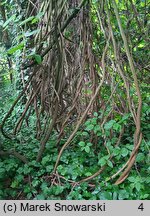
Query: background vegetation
(74, 99)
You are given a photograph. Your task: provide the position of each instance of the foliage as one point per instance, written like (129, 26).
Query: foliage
(74, 100)
(34, 180)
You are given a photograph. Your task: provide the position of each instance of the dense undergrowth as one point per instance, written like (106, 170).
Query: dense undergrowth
(81, 159)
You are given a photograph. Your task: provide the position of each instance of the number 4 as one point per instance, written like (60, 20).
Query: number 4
(141, 207)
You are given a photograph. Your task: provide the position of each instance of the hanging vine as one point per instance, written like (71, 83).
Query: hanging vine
(81, 57)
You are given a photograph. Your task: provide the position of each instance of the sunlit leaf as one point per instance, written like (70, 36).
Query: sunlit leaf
(26, 20)
(12, 18)
(38, 58)
(15, 48)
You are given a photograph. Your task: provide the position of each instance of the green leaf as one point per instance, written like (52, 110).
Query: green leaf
(49, 168)
(102, 161)
(124, 118)
(89, 127)
(44, 185)
(115, 195)
(40, 14)
(145, 196)
(95, 114)
(84, 133)
(38, 58)
(131, 179)
(20, 170)
(35, 182)
(130, 147)
(117, 127)
(26, 20)
(20, 178)
(87, 149)
(2, 171)
(97, 129)
(35, 20)
(123, 194)
(88, 174)
(16, 48)
(110, 164)
(106, 195)
(99, 133)
(106, 157)
(89, 144)
(94, 121)
(14, 184)
(12, 18)
(27, 169)
(27, 189)
(40, 197)
(45, 189)
(82, 148)
(58, 190)
(61, 170)
(140, 157)
(81, 143)
(138, 186)
(29, 33)
(109, 124)
(46, 160)
(124, 152)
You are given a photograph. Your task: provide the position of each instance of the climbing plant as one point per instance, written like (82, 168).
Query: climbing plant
(80, 70)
